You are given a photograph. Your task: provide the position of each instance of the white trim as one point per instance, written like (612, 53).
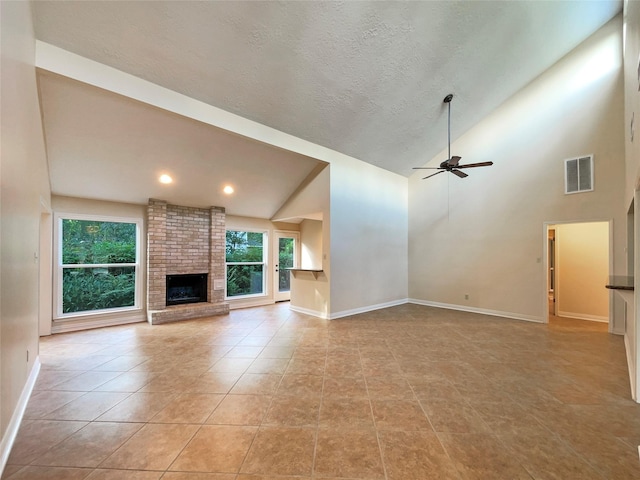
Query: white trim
(368, 308)
(11, 432)
(96, 321)
(583, 316)
(632, 383)
(236, 303)
(483, 311)
(308, 311)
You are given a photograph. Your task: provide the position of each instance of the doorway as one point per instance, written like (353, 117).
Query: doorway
(286, 256)
(579, 262)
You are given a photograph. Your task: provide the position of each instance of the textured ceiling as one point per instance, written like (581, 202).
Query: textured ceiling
(364, 78)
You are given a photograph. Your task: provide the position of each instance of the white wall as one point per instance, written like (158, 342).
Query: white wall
(582, 268)
(311, 244)
(632, 161)
(368, 238)
(25, 185)
(484, 236)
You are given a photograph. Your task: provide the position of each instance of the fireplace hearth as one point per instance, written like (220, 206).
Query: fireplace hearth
(189, 288)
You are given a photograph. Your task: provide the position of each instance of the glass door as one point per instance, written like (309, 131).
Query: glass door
(286, 256)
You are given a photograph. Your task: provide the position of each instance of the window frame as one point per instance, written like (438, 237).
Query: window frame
(264, 263)
(59, 267)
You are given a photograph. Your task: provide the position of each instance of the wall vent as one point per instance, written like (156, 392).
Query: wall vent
(578, 174)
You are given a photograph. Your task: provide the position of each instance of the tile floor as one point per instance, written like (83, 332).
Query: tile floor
(409, 392)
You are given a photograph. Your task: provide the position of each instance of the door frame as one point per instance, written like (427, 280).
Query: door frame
(545, 255)
(277, 235)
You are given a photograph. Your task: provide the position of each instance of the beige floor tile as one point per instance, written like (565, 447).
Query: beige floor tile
(122, 363)
(172, 383)
(269, 365)
(480, 456)
(88, 407)
(256, 384)
(392, 388)
(344, 387)
(47, 379)
(214, 382)
(294, 411)
(348, 453)
(43, 402)
(37, 436)
(281, 451)
(160, 443)
(198, 476)
(216, 448)
(244, 352)
(232, 365)
(50, 473)
(126, 382)
(415, 456)
(270, 477)
(556, 396)
(240, 410)
(102, 474)
(399, 415)
(86, 382)
(454, 417)
(188, 408)
(351, 413)
(138, 407)
(96, 442)
(546, 456)
(306, 366)
(303, 385)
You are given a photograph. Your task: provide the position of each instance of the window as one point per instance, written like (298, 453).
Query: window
(245, 257)
(97, 264)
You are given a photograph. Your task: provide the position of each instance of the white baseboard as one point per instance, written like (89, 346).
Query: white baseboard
(483, 311)
(368, 308)
(583, 316)
(87, 322)
(237, 304)
(308, 311)
(11, 432)
(632, 369)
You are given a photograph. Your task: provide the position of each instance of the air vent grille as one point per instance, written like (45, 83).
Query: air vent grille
(578, 174)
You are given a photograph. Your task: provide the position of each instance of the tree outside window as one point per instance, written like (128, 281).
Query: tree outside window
(245, 263)
(99, 265)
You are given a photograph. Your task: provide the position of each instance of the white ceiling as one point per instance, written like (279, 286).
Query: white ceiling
(364, 78)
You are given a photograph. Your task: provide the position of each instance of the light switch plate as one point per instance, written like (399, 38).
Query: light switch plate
(218, 284)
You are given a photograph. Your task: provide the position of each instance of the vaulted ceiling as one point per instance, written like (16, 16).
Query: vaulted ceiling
(364, 78)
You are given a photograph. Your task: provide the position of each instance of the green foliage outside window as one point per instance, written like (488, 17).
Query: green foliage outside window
(98, 243)
(244, 247)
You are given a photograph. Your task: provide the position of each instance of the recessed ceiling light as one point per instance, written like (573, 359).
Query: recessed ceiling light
(228, 189)
(164, 178)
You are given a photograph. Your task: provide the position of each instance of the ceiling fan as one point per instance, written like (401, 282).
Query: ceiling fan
(451, 164)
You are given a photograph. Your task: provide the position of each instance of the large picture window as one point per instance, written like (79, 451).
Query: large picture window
(98, 265)
(245, 257)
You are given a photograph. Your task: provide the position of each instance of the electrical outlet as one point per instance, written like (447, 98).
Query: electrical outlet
(466, 296)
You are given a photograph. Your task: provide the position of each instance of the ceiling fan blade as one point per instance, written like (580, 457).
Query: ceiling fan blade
(453, 161)
(481, 164)
(428, 176)
(459, 173)
(426, 168)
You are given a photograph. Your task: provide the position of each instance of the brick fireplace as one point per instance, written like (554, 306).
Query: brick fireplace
(184, 240)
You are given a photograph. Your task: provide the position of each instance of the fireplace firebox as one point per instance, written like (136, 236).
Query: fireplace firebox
(190, 288)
